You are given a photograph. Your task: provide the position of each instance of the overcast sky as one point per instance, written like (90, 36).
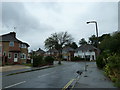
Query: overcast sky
(36, 21)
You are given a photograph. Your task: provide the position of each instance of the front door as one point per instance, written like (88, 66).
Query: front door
(92, 57)
(15, 57)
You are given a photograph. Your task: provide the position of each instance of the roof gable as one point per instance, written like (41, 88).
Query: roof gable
(67, 49)
(11, 37)
(86, 47)
(53, 50)
(40, 51)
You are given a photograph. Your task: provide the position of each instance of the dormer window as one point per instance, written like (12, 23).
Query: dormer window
(11, 44)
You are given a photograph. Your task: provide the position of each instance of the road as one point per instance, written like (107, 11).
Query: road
(55, 77)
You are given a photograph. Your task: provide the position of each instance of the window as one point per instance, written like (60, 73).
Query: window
(23, 56)
(92, 57)
(4, 53)
(11, 44)
(9, 55)
(22, 45)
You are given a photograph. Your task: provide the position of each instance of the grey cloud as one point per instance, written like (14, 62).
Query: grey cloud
(55, 6)
(15, 14)
(28, 27)
(62, 16)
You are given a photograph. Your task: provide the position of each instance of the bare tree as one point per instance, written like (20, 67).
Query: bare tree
(57, 41)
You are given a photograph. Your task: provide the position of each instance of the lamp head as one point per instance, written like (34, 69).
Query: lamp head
(88, 22)
(91, 22)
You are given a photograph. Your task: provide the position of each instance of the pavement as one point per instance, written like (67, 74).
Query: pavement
(61, 76)
(93, 78)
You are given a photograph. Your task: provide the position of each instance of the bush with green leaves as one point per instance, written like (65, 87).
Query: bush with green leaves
(109, 58)
(100, 61)
(37, 61)
(113, 65)
(112, 68)
(49, 59)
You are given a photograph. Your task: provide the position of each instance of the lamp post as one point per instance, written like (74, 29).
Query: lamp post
(96, 29)
(85, 61)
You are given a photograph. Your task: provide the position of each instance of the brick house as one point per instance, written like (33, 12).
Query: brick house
(40, 52)
(52, 52)
(67, 53)
(12, 50)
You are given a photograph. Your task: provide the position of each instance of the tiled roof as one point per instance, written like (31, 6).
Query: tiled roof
(67, 49)
(86, 47)
(52, 50)
(11, 37)
(40, 51)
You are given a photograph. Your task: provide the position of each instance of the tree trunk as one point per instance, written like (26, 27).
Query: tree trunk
(60, 56)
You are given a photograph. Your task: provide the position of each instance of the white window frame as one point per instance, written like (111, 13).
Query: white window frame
(23, 56)
(9, 55)
(23, 46)
(4, 53)
(10, 44)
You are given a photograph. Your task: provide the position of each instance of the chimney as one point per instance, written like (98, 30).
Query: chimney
(13, 34)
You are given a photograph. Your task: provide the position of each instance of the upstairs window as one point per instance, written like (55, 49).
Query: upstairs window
(11, 44)
(23, 46)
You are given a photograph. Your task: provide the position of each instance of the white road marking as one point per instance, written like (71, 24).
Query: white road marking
(45, 74)
(15, 84)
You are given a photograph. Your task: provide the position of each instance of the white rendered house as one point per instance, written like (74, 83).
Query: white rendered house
(87, 51)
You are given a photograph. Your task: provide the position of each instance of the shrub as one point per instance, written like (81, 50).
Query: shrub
(114, 61)
(37, 61)
(49, 60)
(117, 84)
(100, 61)
(112, 69)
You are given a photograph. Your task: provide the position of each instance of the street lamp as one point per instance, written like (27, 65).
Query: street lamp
(96, 29)
(85, 61)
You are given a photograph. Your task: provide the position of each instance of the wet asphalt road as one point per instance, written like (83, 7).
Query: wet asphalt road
(55, 77)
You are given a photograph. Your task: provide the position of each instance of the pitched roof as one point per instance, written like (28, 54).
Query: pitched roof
(86, 47)
(67, 49)
(40, 51)
(11, 37)
(52, 50)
